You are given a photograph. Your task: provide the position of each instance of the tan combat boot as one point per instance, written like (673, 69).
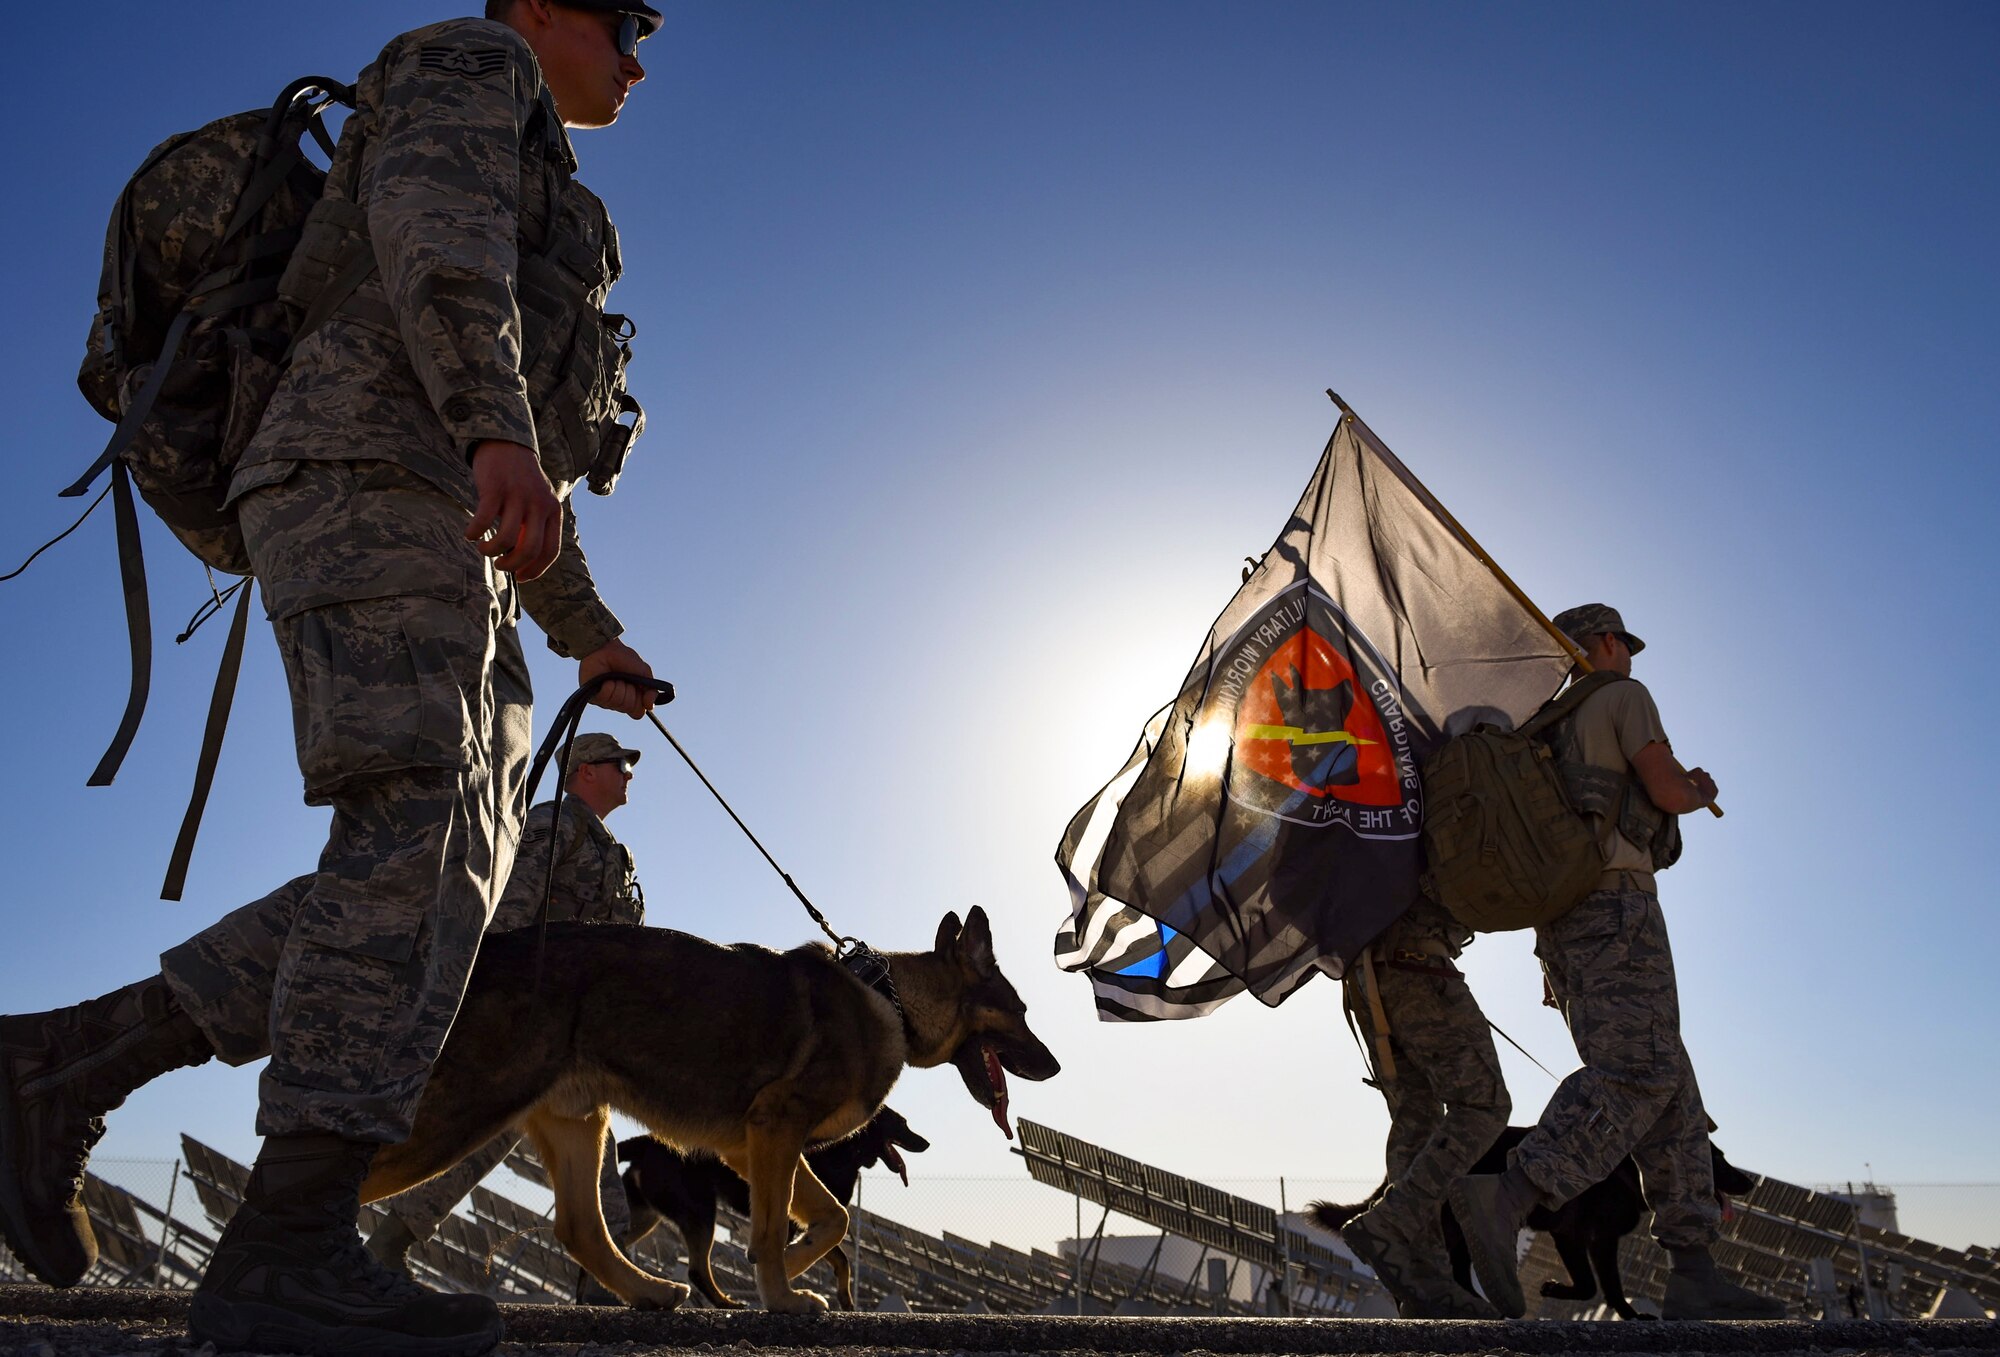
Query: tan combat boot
(1411, 1266)
(60, 1072)
(1696, 1289)
(1491, 1209)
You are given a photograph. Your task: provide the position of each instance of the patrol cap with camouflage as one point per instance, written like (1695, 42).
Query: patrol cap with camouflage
(649, 18)
(1594, 619)
(596, 747)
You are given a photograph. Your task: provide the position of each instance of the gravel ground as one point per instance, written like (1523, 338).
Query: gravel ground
(38, 1322)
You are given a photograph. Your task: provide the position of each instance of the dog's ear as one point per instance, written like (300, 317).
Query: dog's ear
(948, 931)
(975, 944)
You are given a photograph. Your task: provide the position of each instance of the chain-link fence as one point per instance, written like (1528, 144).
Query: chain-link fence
(153, 1231)
(1022, 1213)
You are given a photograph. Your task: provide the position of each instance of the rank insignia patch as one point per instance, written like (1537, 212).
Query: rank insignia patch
(473, 63)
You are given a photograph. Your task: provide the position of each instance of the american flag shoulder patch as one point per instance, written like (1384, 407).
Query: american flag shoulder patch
(474, 63)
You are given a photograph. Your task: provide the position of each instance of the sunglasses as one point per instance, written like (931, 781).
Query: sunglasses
(628, 35)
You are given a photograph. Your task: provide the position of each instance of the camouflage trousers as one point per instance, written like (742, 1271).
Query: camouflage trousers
(424, 1207)
(410, 707)
(1448, 1102)
(1612, 971)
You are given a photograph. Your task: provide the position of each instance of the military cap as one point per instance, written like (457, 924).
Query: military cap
(649, 18)
(596, 747)
(1593, 619)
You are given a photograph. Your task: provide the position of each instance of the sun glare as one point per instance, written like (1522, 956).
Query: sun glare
(1208, 750)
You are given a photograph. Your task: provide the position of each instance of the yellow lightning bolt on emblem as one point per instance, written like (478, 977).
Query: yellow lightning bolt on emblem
(1297, 736)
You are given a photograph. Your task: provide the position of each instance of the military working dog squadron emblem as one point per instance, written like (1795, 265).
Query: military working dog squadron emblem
(1319, 735)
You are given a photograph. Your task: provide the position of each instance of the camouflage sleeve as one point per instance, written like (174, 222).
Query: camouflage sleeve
(442, 182)
(564, 602)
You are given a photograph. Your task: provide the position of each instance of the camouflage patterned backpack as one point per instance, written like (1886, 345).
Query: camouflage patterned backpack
(1506, 849)
(186, 348)
(189, 337)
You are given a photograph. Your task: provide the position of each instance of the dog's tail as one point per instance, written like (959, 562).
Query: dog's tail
(1330, 1216)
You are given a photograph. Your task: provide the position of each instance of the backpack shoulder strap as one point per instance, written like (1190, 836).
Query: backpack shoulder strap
(211, 744)
(1566, 702)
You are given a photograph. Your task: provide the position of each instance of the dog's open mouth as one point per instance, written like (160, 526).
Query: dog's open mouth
(896, 1164)
(985, 1059)
(985, 1079)
(998, 1079)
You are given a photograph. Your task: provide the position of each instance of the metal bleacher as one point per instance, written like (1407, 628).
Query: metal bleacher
(456, 1259)
(1317, 1279)
(1770, 1241)
(1810, 1249)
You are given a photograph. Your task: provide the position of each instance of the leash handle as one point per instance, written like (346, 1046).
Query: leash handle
(568, 717)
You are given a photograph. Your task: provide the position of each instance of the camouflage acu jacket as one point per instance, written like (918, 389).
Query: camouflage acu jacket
(594, 881)
(482, 317)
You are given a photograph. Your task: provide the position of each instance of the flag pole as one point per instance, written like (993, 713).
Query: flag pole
(1479, 554)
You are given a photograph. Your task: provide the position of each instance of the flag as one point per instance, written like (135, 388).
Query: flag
(1268, 821)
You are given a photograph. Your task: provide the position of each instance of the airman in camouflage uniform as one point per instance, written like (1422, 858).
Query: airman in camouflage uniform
(593, 882)
(1611, 970)
(406, 494)
(1436, 1067)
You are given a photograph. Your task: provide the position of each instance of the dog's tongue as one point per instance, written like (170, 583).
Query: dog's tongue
(998, 1078)
(896, 1164)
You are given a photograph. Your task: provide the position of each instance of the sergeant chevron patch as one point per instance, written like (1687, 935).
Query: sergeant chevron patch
(474, 63)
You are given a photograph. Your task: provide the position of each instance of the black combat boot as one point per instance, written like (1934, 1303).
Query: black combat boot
(290, 1273)
(60, 1072)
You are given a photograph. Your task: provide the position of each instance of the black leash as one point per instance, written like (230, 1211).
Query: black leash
(563, 730)
(839, 942)
(1524, 1051)
(864, 962)
(867, 965)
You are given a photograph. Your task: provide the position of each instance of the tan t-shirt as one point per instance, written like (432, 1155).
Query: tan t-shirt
(1610, 727)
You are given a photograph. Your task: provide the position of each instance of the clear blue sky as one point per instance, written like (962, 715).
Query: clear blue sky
(982, 341)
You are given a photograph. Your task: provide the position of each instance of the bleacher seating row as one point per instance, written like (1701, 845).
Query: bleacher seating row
(1771, 1240)
(1320, 1280)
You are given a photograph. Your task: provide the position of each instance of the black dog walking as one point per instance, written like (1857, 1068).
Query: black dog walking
(663, 1183)
(1587, 1229)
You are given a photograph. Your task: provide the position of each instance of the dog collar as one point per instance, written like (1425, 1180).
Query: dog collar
(871, 968)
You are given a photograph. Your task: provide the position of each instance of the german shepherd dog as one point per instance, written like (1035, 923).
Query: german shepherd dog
(1586, 1229)
(750, 1054)
(662, 1183)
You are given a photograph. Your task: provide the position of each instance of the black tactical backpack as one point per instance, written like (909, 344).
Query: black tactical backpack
(186, 348)
(1506, 848)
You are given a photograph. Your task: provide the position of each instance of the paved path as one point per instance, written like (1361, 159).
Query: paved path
(104, 1323)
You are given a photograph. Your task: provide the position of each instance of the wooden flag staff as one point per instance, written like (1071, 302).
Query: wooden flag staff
(1479, 553)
